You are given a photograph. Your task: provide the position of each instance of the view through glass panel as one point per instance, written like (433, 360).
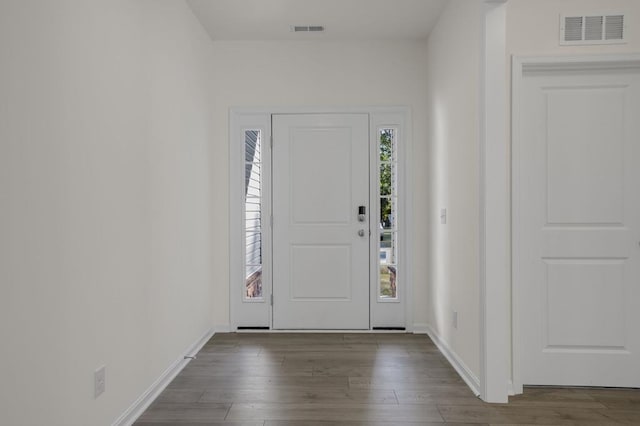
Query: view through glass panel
(388, 284)
(253, 214)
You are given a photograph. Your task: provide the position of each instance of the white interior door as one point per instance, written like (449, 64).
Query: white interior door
(320, 247)
(577, 204)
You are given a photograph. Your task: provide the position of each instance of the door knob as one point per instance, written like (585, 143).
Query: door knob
(361, 232)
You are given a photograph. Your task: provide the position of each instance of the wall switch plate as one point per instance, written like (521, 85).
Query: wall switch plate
(99, 381)
(454, 319)
(443, 216)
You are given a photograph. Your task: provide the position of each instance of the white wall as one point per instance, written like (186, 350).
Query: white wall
(302, 73)
(104, 202)
(453, 118)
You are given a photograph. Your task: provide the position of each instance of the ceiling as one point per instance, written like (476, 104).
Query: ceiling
(343, 20)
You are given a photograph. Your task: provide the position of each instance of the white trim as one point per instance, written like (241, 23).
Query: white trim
(144, 401)
(516, 84)
(456, 362)
(236, 253)
(522, 65)
(305, 331)
(222, 328)
(406, 235)
(421, 328)
(544, 64)
(494, 203)
(358, 109)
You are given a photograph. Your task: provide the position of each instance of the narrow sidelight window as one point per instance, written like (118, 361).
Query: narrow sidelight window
(253, 214)
(388, 161)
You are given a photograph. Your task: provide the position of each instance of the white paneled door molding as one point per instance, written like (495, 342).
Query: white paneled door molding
(576, 208)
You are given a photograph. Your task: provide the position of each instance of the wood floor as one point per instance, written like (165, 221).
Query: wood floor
(358, 379)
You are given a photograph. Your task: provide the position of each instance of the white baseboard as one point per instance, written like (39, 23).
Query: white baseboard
(222, 328)
(514, 389)
(420, 328)
(467, 375)
(142, 403)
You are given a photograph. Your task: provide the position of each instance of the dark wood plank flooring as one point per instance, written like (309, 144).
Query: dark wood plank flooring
(358, 379)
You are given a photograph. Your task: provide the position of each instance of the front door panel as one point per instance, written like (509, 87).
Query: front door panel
(320, 247)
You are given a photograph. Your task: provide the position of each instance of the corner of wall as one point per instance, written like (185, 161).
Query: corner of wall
(456, 362)
(137, 408)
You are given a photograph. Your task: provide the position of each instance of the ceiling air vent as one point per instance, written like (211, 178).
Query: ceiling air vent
(307, 28)
(592, 29)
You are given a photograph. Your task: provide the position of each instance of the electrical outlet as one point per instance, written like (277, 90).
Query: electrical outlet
(454, 319)
(443, 216)
(99, 381)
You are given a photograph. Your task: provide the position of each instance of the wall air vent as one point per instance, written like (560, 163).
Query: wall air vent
(592, 29)
(307, 28)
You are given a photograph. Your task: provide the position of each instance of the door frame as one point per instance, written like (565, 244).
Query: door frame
(494, 207)
(521, 66)
(241, 119)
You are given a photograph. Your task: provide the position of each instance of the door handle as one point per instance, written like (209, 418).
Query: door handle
(361, 232)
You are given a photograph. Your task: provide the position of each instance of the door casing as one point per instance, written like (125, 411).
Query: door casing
(258, 313)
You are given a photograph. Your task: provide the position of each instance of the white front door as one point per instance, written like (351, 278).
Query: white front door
(320, 247)
(577, 234)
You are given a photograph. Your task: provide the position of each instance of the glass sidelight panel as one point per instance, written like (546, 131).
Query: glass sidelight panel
(385, 179)
(387, 213)
(388, 228)
(253, 214)
(388, 285)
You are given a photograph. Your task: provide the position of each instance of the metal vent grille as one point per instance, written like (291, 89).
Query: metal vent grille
(593, 26)
(592, 29)
(573, 28)
(615, 27)
(307, 28)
